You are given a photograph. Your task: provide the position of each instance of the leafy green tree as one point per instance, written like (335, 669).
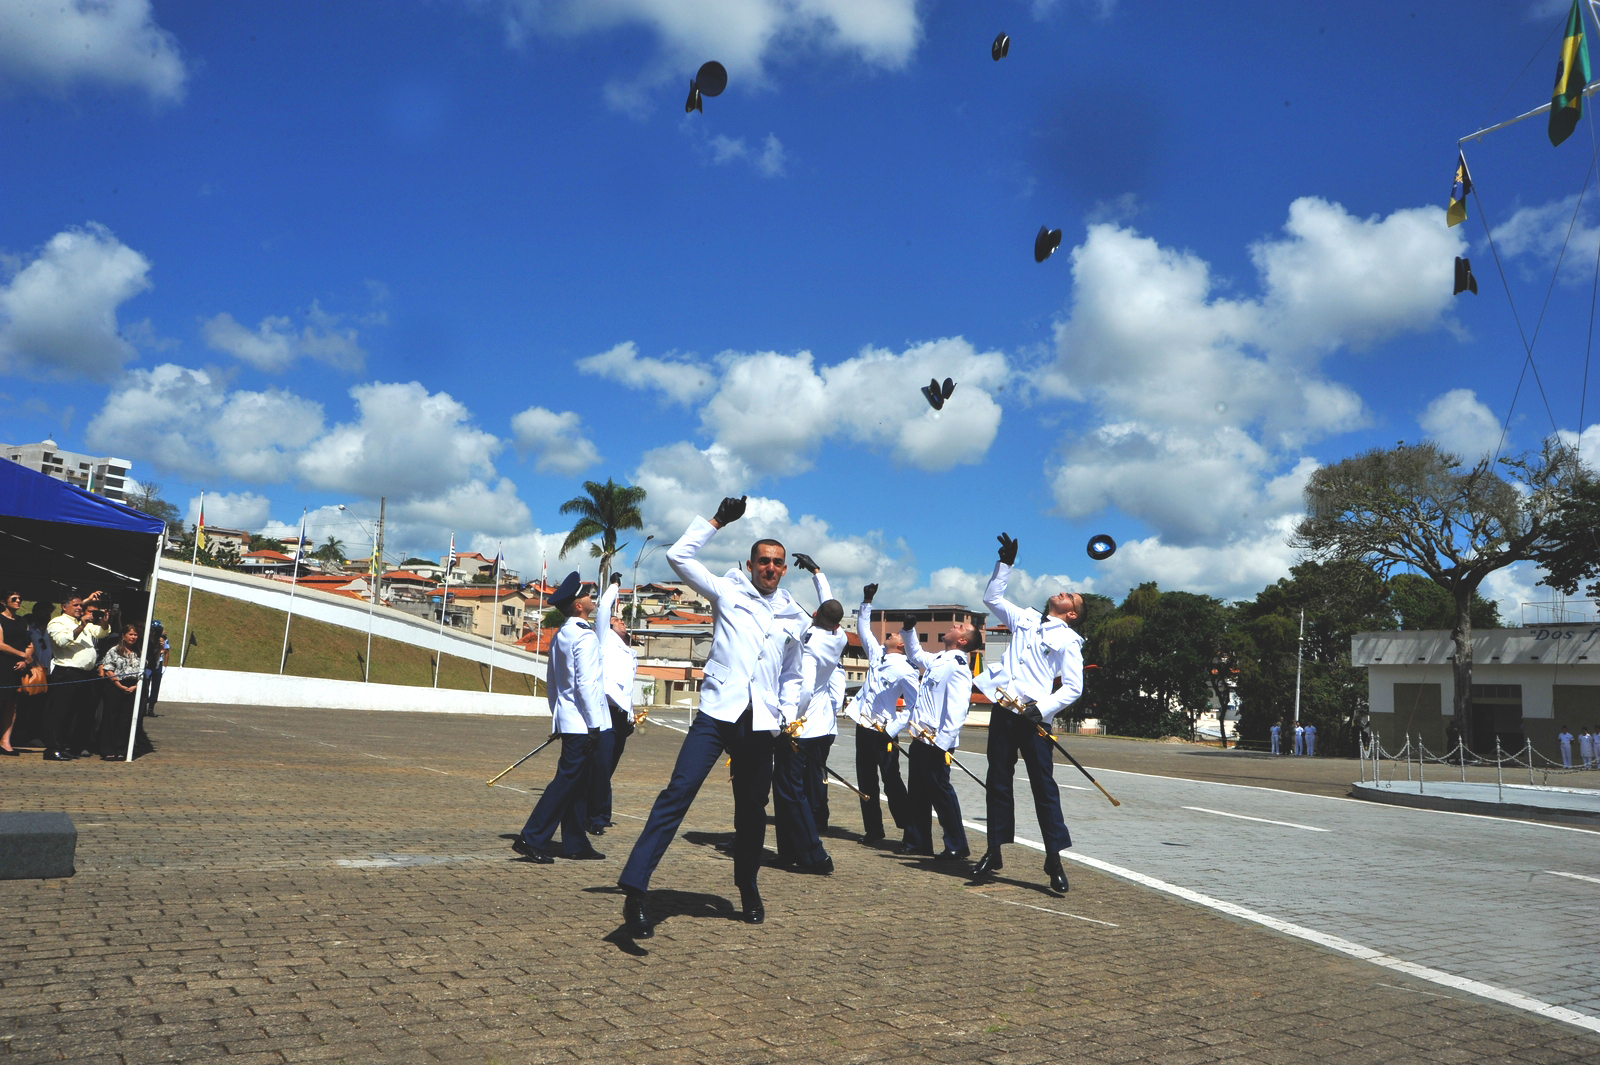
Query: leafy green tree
(608, 509)
(1153, 657)
(1419, 603)
(1418, 507)
(1571, 551)
(331, 550)
(146, 496)
(267, 543)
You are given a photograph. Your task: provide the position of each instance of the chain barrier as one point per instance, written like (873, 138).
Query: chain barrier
(1529, 758)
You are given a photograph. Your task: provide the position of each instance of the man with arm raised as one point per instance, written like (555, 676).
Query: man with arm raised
(883, 707)
(936, 720)
(1044, 648)
(751, 686)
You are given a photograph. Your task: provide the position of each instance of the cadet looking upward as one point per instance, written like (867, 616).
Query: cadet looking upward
(890, 680)
(752, 683)
(936, 720)
(620, 664)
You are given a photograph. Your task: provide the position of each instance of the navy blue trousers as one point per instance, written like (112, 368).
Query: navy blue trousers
(930, 790)
(1011, 734)
(816, 778)
(798, 837)
(612, 743)
(875, 757)
(751, 753)
(565, 798)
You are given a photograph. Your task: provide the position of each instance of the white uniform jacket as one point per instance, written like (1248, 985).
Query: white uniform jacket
(1042, 649)
(943, 696)
(890, 679)
(575, 680)
(619, 661)
(755, 639)
(821, 679)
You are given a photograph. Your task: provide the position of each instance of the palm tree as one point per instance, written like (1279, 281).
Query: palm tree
(331, 551)
(607, 510)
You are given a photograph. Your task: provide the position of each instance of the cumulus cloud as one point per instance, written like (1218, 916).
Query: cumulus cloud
(274, 345)
(681, 380)
(1546, 233)
(55, 44)
(1200, 401)
(231, 510)
(413, 443)
(555, 441)
(58, 313)
(768, 161)
(1457, 421)
(744, 35)
(188, 422)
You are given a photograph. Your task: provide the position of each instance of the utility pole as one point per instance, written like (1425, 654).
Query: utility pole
(1299, 653)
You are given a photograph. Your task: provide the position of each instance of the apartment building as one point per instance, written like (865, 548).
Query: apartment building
(101, 474)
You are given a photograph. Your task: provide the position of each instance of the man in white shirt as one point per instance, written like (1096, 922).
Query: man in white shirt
(882, 709)
(941, 709)
(1566, 747)
(1275, 730)
(800, 758)
(1311, 740)
(1299, 739)
(620, 663)
(575, 689)
(74, 684)
(752, 683)
(1044, 649)
(1586, 749)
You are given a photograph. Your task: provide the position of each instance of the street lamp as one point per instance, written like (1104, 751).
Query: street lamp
(643, 551)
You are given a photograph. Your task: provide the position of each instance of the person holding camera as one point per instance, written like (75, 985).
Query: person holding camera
(73, 693)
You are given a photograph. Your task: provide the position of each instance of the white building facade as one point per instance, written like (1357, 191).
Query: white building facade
(103, 474)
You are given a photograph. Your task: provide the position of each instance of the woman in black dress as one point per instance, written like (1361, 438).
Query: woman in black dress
(16, 656)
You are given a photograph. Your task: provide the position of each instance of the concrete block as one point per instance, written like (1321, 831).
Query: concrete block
(37, 846)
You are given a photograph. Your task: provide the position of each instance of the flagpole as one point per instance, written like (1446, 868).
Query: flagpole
(294, 582)
(1588, 90)
(374, 567)
(494, 615)
(144, 649)
(444, 604)
(193, 558)
(544, 574)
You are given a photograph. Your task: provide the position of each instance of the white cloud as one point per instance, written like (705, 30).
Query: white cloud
(768, 162)
(185, 421)
(1543, 232)
(476, 506)
(1458, 422)
(57, 43)
(680, 379)
(873, 398)
(1587, 444)
(231, 510)
(744, 35)
(555, 440)
(58, 313)
(274, 345)
(406, 443)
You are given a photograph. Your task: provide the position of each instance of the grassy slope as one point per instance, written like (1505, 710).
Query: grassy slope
(229, 634)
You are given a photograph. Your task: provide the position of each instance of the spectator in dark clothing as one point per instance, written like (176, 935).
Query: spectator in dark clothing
(155, 665)
(16, 657)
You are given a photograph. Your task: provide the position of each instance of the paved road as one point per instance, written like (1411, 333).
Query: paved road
(1511, 905)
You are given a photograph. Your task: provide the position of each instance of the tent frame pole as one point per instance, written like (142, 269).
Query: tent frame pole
(144, 648)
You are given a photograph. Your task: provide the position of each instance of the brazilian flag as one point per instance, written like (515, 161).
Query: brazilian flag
(1572, 74)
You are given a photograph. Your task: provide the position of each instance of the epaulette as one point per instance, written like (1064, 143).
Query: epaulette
(961, 658)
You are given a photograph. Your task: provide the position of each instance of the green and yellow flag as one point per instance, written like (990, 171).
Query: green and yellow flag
(1572, 74)
(1456, 213)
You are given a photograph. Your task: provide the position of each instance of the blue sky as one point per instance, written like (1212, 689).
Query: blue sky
(467, 255)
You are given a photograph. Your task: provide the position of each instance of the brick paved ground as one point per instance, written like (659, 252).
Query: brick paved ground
(308, 885)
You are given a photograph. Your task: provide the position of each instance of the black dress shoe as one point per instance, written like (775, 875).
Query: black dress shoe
(910, 851)
(726, 847)
(989, 864)
(751, 909)
(1058, 875)
(596, 830)
(870, 839)
(531, 853)
(590, 855)
(824, 867)
(948, 855)
(57, 756)
(7, 752)
(634, 919)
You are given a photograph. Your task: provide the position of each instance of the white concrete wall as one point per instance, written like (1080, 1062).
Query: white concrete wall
(1538, 684)
(228, 688)
(345, 612)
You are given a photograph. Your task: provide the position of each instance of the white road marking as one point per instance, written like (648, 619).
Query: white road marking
(1045, 909)
(430, 769)
(1575, 876)
(1514, 999)
(1263, 820)
(508, 787)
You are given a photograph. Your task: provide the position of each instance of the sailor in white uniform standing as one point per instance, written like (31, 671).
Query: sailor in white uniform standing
(1043, 650)
(800, 758)
(621, 664)
(882, 709)
(1275, 729)
(575, 688)
(752, 683)
(941, 709)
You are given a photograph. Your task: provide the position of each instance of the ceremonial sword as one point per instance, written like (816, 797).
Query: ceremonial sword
(524, 758)
(1009, 701)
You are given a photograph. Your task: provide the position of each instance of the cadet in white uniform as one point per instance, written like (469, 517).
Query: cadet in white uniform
(575, 689)
(1044, 649)
(1275, 730)
(941, 709)
(1566, 747)
(752, 683)
(1299, 739)
(1586, 749)
(620, 663)
(799, 761)
(1311, 740)
(890, 681)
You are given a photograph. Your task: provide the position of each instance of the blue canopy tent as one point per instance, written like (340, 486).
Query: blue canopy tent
(57, 540)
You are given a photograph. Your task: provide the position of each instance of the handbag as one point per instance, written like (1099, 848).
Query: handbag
(34, 681)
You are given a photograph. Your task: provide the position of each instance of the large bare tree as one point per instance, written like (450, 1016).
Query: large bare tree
(1419, 507)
